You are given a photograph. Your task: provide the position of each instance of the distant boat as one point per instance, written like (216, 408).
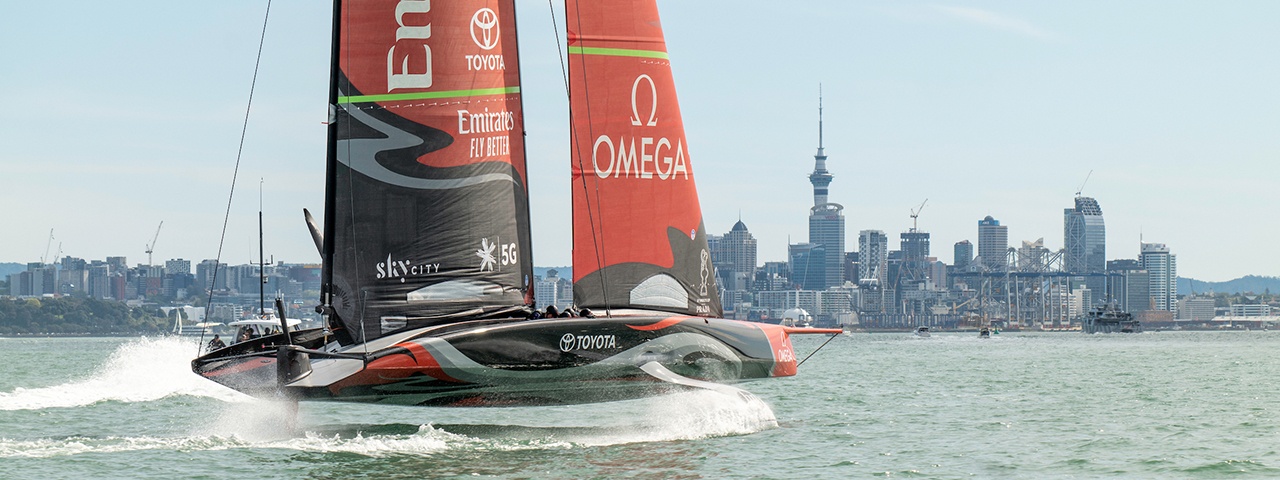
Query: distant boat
(1109, 319)
(797, 317)
(984, 333)
(922, 332)
(194, 324)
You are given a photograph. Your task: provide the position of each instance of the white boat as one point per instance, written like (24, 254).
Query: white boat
(921, 332)
(189, 321)
(797, 317)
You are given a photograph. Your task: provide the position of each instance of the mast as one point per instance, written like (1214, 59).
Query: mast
(331, 175)
(262, 260)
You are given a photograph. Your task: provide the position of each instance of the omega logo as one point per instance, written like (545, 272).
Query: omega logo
(635, 109)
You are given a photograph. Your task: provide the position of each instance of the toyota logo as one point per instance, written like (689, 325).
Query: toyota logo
(566, 342)
(484, 28)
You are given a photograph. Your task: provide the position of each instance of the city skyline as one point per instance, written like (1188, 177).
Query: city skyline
(992, 108)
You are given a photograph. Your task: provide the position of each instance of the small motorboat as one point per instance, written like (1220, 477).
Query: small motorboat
(984, 333)
(922, 332)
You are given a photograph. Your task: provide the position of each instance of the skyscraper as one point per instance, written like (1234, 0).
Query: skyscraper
(915, 253)
(993, 244)
(734, 256)
(963, 254)
(873, 257)
(1162, 267)
(807, 269)
(1085, 238)
(826, 221)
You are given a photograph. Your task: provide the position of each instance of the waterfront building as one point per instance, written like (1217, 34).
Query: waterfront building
(1196, 308)
(1085, 241)
(1132, 289)
(1162, 267)
(993, 244)
(1250, 310)
(824, 304)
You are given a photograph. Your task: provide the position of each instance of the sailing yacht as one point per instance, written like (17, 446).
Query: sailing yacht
(427, 285)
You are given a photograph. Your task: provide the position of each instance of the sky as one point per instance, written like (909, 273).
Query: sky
(123, 116)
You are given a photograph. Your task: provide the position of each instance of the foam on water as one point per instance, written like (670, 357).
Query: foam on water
(151, 369)
(687, 416)
(261, 424)
(141, 370)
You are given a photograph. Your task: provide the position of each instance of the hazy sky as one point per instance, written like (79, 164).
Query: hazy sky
(123, 115)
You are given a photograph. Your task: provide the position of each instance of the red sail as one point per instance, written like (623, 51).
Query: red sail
(431, 207)
(638, 238)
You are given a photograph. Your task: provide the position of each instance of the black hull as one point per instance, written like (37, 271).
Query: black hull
(514, 362)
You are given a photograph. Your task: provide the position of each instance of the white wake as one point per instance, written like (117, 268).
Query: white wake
(141, 370)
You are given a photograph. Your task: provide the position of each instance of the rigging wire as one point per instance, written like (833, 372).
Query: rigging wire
(577, 146)
(244, 128)
(833, 337)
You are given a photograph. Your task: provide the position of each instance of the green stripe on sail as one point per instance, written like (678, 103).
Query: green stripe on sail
(396, 97)
(617, 52)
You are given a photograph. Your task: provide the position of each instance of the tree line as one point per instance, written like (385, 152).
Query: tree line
(78, 316)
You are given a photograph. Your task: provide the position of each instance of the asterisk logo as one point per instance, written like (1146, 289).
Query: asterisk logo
(486, 255)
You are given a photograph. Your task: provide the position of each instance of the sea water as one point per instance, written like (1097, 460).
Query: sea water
(1017, 405)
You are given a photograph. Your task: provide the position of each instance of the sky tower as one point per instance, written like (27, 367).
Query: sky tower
(820, 177)
(826, 222)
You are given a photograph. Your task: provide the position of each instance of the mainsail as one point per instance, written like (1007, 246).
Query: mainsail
(429, 217)
(638, 237)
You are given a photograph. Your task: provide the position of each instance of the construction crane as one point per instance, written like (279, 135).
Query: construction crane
(915, 214)
(151, 247)
(47, 244)
(1086, 180)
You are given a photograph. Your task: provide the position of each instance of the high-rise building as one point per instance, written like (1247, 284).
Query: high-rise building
(547, 291)
(808, 271)
(1032, 256)
(873, 257)
(1162, 267)
(826, 221)
(177, 266)
(736, 251)
(1130, 285)
(993, 244)
(1085, 240)
(826, 229)
(915, 254)
(963, 254)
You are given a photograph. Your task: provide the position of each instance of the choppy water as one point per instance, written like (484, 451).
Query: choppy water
(1155, 405)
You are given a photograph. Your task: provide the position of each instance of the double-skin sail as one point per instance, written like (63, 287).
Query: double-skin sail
(430, 220)
(638, 237)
